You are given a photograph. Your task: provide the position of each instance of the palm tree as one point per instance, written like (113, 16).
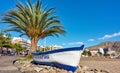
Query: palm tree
(33, 20)
(1, 39)
(17, 48)
(7, 39)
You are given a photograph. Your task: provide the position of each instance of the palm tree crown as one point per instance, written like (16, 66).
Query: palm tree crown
(34, 21)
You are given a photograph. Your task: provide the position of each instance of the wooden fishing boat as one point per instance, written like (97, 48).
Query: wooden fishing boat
(66, 58)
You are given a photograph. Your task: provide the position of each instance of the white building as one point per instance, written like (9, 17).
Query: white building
(23, 42)
(56, 47)
(111, 52)
(101, 50)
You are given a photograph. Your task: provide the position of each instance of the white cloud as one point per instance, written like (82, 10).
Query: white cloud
(75, 43)
(91, 40)
(110, 36)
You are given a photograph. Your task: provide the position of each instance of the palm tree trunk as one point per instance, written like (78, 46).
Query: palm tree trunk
(34, 42)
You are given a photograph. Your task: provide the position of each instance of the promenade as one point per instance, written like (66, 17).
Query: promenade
(6, 65)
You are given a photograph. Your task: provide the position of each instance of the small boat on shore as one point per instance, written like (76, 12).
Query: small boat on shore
(66, 58)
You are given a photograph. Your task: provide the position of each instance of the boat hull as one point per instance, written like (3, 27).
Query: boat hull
(68, 58)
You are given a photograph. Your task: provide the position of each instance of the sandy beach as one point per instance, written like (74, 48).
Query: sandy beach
(111, 65)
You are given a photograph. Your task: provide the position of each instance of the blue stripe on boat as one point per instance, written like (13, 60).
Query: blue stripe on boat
(54, 64)
(59, 50)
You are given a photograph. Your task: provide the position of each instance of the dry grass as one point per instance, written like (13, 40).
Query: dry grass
(111, 65)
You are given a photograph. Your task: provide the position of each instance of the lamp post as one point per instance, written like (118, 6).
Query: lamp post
(44, 44)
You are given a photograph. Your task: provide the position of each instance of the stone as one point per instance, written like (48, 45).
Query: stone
(86, 72)
(63, 71)
(37, 69)
(91, 71)
(23, 69)
(54, 68)
(47, 67)
(98, 72)
(85, 68)
(59, 70)
(105, 71)
(79, 69)
(44, 71)
(28, 65)
(31, 68)
(71, 72)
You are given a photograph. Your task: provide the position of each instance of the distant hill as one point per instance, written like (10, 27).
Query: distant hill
(115, 46)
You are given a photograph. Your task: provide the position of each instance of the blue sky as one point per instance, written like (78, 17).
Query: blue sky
(86, 21)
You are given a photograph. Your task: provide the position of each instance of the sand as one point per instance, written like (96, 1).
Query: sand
(6, 64)
(111, 65)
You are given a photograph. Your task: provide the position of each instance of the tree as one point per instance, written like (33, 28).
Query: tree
(85, 52)
(89, 53)
(5, 40)
(33, 20)
(18, 48)
(1, 39)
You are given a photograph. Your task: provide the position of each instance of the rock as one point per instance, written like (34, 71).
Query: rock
(44, 71)
(47, 67)
(37, 69)
(98, 72)
(54, 68)
(79, 69)
(62, 71)
(104, 71)
(59, 70)
(29, 72)
(25, 68)
(22, 69)
(91, 71)
(31, 68)
(28, 65)
(24, 65)
(85, 68)
(86, 72)
(71, 72)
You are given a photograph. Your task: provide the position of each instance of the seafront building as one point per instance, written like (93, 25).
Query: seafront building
(53, 47)
(23, 42)
(26, 43)
(103, 51)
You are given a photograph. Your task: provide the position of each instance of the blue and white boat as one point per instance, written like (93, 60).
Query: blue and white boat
(67, 58)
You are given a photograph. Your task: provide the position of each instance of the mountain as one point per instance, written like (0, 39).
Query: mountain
(115, 46)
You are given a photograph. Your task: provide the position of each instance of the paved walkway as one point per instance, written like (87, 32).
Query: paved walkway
(6, 64)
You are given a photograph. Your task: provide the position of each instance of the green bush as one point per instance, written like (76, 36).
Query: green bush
(86, 53)
(89, 53)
